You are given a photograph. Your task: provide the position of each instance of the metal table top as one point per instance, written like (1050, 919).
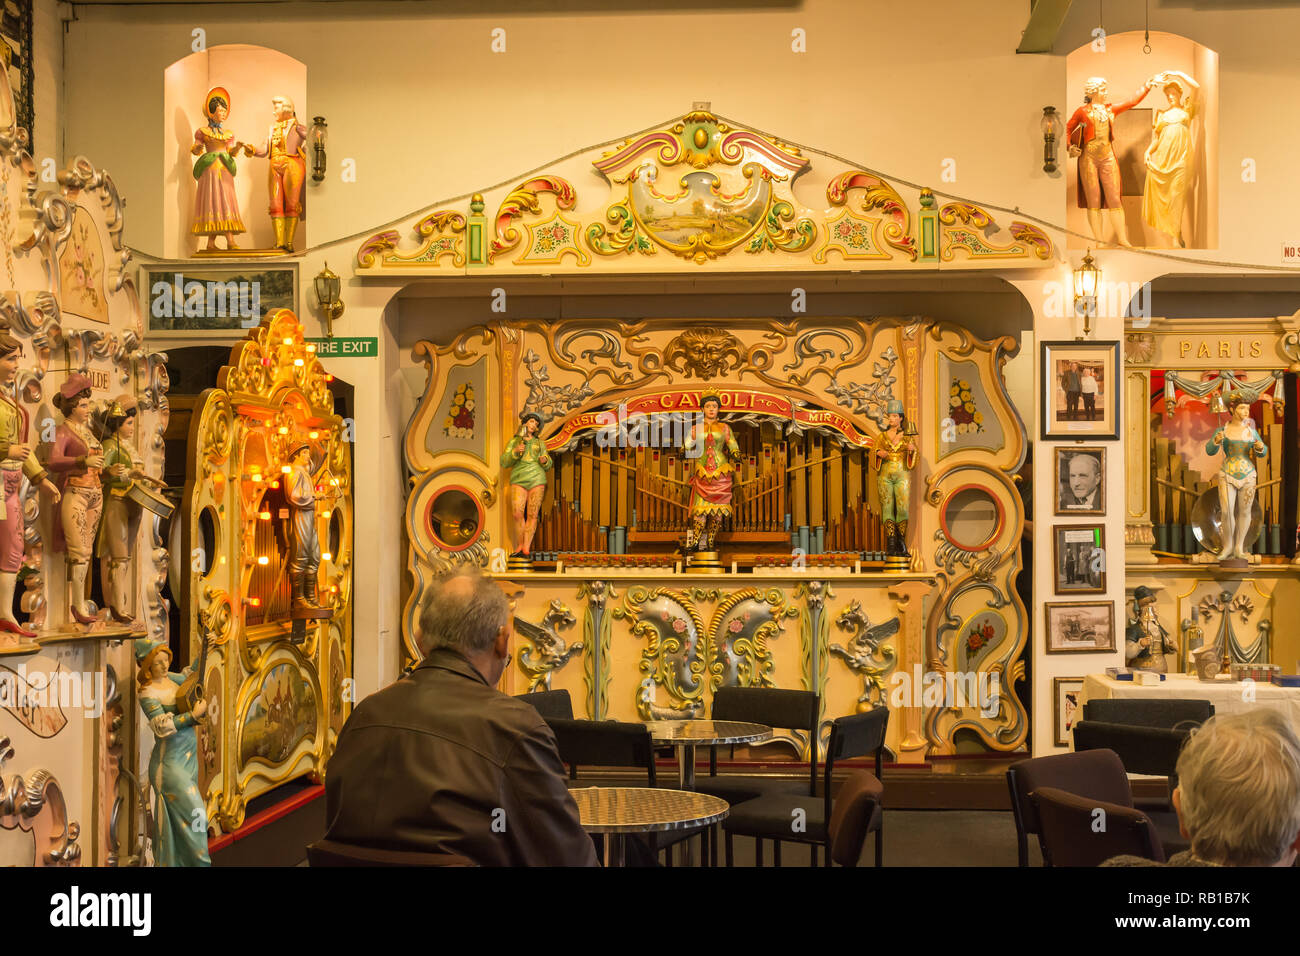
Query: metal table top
(645, 809)
(707, 732)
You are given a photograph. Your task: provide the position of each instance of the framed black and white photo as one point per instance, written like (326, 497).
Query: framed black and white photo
(1066, 692)
(1080, 627)
(1080, 390)
(1079, 559)
(188, 299)
(1080, 481)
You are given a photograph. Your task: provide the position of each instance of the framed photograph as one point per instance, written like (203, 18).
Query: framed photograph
(189, 299)
(1080, 390)
(1065, 706)
(1080, 481)
(1080, 627)
(1079, 559)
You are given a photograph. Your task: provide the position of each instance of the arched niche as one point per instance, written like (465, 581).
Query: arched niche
(252, 75)
(1123, 62)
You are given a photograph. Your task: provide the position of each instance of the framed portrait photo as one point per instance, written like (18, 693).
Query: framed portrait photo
(1080, 627)
(1079, 559)
(1080, 481)
(1066, 692)
(187, 299)
(1080, 390)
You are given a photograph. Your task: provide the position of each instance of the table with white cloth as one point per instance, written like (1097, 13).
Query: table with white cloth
(1228, 697)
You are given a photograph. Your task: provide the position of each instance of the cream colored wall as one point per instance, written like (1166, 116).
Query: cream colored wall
(428, 112)
(47, 64)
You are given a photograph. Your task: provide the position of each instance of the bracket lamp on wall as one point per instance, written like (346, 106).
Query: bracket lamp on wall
(318, 136)
(1050, 123)
(327, 294)
(1087, 278)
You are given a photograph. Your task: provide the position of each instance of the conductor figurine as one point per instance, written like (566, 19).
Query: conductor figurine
(1146, 642)
(305, 560)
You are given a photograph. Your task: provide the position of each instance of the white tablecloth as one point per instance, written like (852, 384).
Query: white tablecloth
(1228, 697)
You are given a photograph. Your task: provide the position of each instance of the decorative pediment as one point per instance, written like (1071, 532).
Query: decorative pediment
(701, 191)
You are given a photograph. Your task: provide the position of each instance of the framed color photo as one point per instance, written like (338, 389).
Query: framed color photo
(1065, 706)
(1080, 390)
(1080, 627)
(1079, 559)
(187, 299)
(1080, 481)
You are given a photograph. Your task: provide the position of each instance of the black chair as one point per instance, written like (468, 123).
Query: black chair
(774, 816)
(1097, 775)
(1071, 837)
(1171, 713)
(857, 804)
(331, 853)
(550, 703)
(779, 709)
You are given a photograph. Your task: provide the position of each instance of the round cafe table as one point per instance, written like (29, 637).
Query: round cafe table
(686, 735)
(618, 811)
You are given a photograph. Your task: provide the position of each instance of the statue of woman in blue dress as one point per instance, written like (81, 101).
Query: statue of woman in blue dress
(180, 817)
(1237, 479)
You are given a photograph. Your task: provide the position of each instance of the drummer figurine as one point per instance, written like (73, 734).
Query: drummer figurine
(304, 562)
(120, 528)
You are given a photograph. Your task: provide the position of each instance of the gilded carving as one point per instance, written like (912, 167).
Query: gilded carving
(546, 651)
(864, 655)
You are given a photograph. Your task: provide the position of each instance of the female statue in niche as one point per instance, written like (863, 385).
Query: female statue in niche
(528, 461)
(715, 451)
(76, 457)
(180, 818)
(1237, 477)
(895, 453)
(216, 210)
(1091, 134)
(1169, 157)
(18, 460)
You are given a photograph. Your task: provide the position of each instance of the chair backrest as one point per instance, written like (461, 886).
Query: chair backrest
(1170, 712)
(1096, 775)
(1150, 750)
(857, 735)
(550, 703)
(333, 853)
(850, 818)
(603, 743)
(1071, 835)
(773, 706)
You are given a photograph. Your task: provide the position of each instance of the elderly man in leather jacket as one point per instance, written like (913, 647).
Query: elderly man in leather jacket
(442, 762)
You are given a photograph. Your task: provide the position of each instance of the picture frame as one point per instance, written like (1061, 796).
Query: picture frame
(213, 301)
(1083, 490)
(1065, 707)
(1075, 565)
(1092, 411)
(1079, 627)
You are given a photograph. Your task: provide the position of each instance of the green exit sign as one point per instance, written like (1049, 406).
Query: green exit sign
(347, 347)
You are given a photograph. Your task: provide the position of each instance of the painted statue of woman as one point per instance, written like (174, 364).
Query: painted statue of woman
(76, 458)
(1169, 157)
(715, 451)
(528, 461)
(16, 460)
(1091, 133)
(895, 453)
(1237, 479)
(216, 210)
(120, 528)
(180, 818)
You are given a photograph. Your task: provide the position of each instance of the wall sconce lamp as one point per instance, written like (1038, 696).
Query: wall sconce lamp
(1086, 280)
(319, 135)
(327, 294)
(1050, 122)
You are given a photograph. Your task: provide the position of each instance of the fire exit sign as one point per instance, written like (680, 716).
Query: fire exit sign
(347, 347)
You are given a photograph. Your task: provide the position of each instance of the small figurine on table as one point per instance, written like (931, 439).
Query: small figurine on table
(1146, 642)
(16, 460)
(528, 461)
(180, 817)
(285, 148)
(714, 448)
(895, 452)
(300, 492)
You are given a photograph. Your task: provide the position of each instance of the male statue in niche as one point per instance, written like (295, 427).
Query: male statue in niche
(285, 148)
(304, 561)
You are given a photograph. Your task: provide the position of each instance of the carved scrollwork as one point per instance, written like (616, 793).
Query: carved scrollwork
(870, 398)
(22, 801)
(674, 655)
(864, 655)
(546, 651)
(738, 637)
(550, 401)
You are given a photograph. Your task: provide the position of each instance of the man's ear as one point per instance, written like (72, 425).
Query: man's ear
(1178, 809)
(502, 643)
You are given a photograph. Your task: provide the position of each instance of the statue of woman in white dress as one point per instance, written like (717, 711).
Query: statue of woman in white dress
(1169, 157)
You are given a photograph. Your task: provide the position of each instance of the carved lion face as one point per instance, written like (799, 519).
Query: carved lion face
(703, 353)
